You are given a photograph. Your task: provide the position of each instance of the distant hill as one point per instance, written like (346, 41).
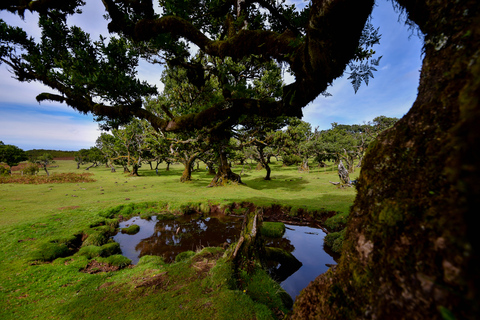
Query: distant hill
(57, 154)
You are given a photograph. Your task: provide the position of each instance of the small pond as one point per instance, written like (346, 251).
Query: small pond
(168, 238)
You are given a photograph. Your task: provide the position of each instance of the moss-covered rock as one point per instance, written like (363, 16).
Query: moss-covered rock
(132, 229)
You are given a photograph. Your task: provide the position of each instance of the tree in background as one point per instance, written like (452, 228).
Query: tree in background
(11, 155)
(95, 156)
(257, 139)
(293, 143)
(44, 161)
(80, 157)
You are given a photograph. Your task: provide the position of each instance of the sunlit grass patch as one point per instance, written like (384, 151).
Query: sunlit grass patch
(37, 219)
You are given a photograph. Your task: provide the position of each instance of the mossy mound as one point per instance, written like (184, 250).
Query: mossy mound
(184, 256)
(116, 260)
(155, 260)
(132, 229)
(50, 251)
(100, 251)
(273, 229)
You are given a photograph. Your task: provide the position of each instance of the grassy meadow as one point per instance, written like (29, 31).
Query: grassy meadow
(36, 218)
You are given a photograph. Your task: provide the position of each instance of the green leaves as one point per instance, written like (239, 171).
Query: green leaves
(12, 155)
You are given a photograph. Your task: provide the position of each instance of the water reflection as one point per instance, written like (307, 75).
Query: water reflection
(168, 238)
(307, 244)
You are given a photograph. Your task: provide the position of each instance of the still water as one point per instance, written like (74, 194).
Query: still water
(168, 238)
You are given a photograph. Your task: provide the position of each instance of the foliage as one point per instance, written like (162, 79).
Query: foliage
(100, 76)
(56, 154)
(31, 169)
(4, 171)
(11, 155)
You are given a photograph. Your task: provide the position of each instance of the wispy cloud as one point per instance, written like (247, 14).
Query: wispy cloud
(28, 128)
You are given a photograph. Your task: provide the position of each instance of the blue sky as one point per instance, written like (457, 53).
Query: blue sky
(29, 125)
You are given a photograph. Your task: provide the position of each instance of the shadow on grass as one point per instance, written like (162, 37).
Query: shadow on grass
(331, 202)
(278, 182)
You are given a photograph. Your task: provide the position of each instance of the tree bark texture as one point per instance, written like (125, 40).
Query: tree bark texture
(225, 173)
(187, 172)
(411, 248)
(264, 162)
(249, 251)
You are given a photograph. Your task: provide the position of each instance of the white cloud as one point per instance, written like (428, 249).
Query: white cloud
(32, 129)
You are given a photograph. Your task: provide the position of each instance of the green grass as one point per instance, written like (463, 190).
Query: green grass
(41, 223)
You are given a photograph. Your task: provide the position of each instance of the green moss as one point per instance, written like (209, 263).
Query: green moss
(263, 289)
(390, 215)
(116, 260)
(110, 249)
(111, 223)
(184, 256)
(50, 251)
(273, 229)
(95, 238)
(106, 250)
(334, 240)
(221, 275)
(210, 251)
(240, 211)
(90, 251)
(133, 229)
(154, 260)
(337, 222)
(166, 216)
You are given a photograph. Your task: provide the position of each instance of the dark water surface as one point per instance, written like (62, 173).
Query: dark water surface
(168, 238)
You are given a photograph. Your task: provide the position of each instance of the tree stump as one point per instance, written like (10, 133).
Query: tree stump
(250, 248)
(343, 174)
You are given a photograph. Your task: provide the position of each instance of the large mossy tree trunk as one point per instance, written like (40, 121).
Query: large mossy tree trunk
(224, 173)
(411, 245)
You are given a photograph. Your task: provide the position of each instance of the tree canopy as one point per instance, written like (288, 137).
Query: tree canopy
(11, 155)
(100, 77)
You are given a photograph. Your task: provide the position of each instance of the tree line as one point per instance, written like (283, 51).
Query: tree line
(290, 140)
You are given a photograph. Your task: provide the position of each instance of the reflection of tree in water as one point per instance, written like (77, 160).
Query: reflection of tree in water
(285, 264)
(172, 237)
(282, 243)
